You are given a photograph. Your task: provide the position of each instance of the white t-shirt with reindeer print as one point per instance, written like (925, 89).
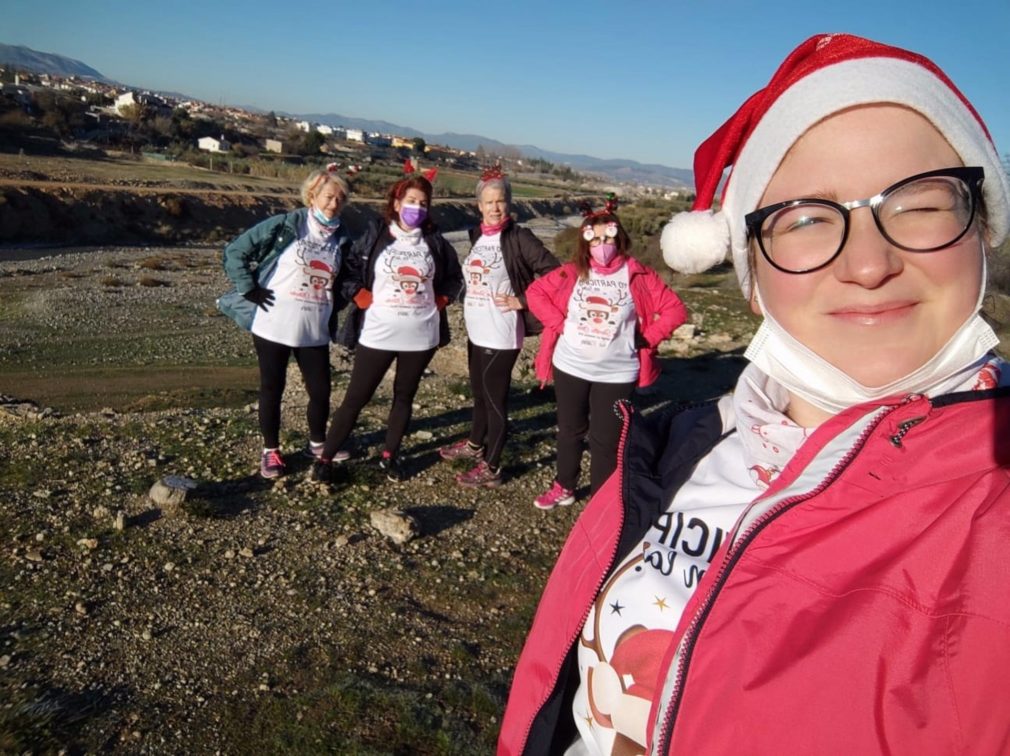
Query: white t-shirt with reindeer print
(302, 284)
(403, 316)
(598, 341)
(486, 277)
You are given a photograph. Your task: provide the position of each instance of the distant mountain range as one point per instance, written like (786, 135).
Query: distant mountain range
(616, 169)
(49, 63)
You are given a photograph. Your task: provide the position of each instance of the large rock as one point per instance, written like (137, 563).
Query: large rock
(396, 525)
(170, 492)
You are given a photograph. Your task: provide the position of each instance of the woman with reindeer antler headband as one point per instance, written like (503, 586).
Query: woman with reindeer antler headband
(504, 260)
(402, 274)
(288, 272)
(604, 316)
(815, 564)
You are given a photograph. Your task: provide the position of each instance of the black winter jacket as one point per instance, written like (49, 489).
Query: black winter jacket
(448, 280)
(526, 258)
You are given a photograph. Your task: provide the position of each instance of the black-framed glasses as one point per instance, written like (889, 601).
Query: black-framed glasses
(922, 213)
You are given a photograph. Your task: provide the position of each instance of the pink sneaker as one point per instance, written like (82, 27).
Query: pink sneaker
(461, 450)
(481, 476)
(555, 496)
(271, 464)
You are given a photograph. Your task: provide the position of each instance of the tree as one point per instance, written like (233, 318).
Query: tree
(420, 145)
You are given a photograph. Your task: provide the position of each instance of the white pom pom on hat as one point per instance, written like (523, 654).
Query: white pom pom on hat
(694, 242)
(825, 74)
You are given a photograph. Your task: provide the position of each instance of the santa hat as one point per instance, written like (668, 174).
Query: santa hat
(406, 273)
(825, 74)
(319, 265)
(595, 302)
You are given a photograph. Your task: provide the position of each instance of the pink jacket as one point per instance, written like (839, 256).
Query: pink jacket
(659, 313)
(862, 606)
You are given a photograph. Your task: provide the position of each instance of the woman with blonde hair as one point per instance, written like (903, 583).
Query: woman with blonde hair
(287, 272)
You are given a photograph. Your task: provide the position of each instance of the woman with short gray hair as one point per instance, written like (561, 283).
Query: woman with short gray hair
(504, 259)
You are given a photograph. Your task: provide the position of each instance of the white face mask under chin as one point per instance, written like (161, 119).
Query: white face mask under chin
(814, 379)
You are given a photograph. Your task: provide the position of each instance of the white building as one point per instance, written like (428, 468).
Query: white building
(125, 101)
(324, 129)
(304, 126)
(210, 144)
(355, 135)
(273, 145)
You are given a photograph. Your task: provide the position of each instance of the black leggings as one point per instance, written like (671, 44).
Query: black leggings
(587, 406)
(370, 365)
(314, 364)
(490, 378)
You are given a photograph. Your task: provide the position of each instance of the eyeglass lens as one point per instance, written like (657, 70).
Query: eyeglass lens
(925, 214)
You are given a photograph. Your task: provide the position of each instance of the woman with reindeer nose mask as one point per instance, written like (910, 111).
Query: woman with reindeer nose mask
(816, 563)
(604, 316)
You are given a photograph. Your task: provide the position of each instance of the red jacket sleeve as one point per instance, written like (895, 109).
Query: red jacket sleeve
(668, 311)
(545, 299)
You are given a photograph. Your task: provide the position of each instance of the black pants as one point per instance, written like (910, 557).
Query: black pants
(490, 379)
(314, 364)
(587, 406)
(370, 365)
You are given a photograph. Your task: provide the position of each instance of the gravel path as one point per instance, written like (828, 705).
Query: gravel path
(255, 616)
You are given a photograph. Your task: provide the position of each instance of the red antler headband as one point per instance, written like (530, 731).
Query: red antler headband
(408, 168)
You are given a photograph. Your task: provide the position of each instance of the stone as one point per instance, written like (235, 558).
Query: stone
(396, 525)
(685, 332)
(170, 492)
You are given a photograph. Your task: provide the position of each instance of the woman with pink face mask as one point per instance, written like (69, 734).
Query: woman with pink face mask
(604, 315)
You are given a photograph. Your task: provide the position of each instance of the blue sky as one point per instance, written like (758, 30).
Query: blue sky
(621, 79)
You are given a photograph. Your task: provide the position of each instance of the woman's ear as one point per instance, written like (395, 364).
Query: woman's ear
(755, 306)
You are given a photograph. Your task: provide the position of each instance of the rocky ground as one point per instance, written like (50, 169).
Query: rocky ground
(254, 616)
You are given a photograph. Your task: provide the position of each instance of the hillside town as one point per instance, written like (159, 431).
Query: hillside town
(42, 113)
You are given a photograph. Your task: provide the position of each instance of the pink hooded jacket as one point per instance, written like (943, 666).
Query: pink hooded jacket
(658, 309)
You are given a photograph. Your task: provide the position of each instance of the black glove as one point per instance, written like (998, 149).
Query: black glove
(262, 298)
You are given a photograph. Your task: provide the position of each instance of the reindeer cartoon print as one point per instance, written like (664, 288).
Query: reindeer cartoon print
(318, 274)
(476, 269)
(596, 311)
(621, 681)
(409, 279)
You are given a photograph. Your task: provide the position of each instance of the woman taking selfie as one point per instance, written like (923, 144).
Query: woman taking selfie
(815, 564)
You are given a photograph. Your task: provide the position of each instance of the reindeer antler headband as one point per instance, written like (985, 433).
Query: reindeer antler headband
(408, 168)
